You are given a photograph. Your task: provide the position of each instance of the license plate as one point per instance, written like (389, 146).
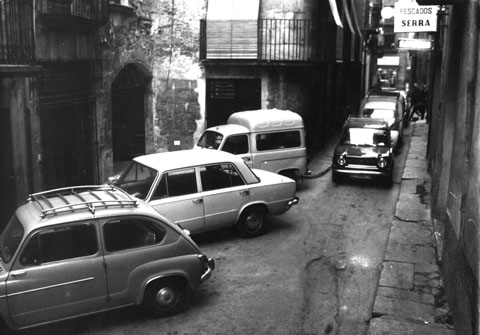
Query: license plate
(362, 176)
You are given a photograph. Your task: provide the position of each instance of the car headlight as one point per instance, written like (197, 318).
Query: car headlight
(341, 160)
(382, 162)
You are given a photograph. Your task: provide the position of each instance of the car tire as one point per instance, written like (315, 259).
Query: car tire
(166, 297)
(252, 222)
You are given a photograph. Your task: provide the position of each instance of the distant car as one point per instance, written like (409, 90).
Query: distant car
(365, 151)
(75, 251)
(388, 108)
(203, 190)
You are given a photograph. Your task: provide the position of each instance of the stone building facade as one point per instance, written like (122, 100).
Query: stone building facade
(454, 156)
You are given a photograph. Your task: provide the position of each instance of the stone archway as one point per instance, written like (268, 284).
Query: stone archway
(130, 93)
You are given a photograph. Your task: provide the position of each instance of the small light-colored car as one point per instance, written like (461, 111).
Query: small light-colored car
(75, 251)
(364, 151)
(267, 139)
(203, 190)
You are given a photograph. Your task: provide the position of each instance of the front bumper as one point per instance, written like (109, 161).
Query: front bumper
(209, 267)
(362, 171)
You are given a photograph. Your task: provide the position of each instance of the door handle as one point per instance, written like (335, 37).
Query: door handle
(18, 274)
(246, 159)
(198, 200)
(245, 192)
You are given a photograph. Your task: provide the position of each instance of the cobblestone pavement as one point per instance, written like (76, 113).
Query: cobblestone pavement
(409, 299)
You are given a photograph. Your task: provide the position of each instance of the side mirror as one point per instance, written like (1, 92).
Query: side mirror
(113, 179)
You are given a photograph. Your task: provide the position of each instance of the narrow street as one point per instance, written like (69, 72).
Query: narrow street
(315, 271)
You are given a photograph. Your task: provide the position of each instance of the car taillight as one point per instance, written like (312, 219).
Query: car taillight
(341, 160)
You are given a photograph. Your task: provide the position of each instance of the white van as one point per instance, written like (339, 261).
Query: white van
(267, 139)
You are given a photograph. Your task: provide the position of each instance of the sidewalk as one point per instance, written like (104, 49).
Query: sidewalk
(409, 298)
(410, 293)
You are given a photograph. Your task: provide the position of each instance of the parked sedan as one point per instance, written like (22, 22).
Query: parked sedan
(203, 190)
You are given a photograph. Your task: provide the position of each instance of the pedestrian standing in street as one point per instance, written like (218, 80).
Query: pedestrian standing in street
(416, 101)
(423, 101)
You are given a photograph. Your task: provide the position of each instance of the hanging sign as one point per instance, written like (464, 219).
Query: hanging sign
(411, 18)
(415, 44)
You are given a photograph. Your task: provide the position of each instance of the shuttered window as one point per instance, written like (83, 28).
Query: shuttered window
(232, 27)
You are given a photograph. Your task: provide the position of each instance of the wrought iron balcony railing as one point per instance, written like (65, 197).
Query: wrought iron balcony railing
(265, 39)
(90, 9)
(17, 45)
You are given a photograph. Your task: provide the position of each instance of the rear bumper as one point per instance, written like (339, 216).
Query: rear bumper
(209, 267)
(294, 201)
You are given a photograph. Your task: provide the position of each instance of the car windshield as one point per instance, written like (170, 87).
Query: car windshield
(365, 136)
(10, 239)
(137, 180)
(379, 113)
(210, 139)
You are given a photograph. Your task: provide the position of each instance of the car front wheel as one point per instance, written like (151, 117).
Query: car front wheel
(166, 297)
(252, 222)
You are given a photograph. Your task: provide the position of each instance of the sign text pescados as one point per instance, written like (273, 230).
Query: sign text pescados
(410, 17)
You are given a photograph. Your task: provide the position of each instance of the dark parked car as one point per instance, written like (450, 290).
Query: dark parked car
(365, 151)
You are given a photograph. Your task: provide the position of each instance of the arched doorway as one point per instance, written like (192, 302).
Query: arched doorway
(129, 100)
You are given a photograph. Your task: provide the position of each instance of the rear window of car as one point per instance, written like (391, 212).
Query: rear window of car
(218, 176)
(129, 233)
(278, 140)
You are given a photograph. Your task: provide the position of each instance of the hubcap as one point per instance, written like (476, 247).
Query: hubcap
(166, 297)
(254, 222)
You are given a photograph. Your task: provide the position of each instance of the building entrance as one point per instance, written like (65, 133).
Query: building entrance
(128, 114)
(227, 96)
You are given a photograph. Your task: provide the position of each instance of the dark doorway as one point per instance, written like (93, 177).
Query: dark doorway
(67, 134)
(128, 114)
(227, 96)
(67, 107)
(7, 175)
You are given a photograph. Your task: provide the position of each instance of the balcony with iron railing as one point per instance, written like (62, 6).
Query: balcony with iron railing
(17, 45)
(270, 40)
(72, 15)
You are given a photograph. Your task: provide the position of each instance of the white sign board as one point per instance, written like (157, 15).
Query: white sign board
(409, 17)
(415, 44)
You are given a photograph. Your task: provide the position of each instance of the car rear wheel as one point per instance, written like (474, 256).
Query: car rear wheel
(252, 222)
(166, 297)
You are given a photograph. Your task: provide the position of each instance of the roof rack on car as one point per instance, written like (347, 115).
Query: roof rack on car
(47, 208)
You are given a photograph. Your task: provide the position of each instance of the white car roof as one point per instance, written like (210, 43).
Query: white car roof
(380, 105)
(266, 119)
(170, 160)
(229, 129)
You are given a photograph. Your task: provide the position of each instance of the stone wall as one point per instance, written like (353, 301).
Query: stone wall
(163, 45)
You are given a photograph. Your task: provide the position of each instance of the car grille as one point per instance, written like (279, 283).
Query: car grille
(361, 161)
